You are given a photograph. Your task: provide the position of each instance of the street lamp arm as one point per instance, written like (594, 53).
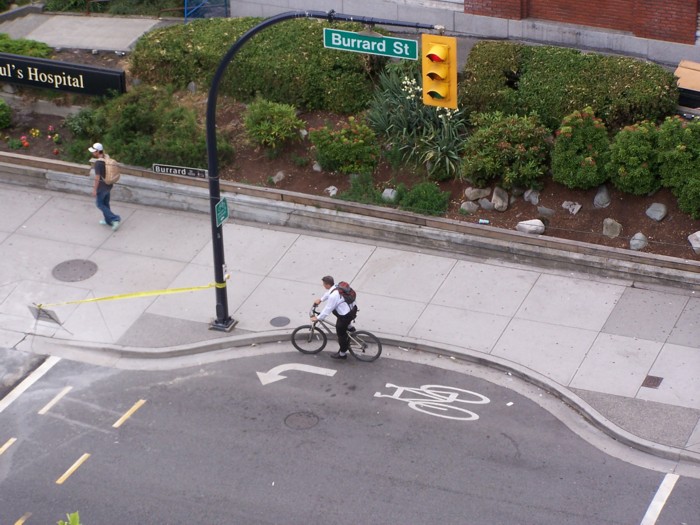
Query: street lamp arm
(223, 320)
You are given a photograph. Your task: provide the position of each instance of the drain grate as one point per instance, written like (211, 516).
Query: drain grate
(280, 321)
(652, 381)
(74, 270)
(301, 420)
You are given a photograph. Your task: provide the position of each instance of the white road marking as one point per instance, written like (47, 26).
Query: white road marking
(28, 381)
(274, 374)
(657, 504)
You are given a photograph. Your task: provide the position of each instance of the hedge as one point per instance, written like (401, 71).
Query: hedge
(285, 63)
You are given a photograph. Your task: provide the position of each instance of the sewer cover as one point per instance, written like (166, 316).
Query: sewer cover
(280, 321)
(301, 420)
(74, 270)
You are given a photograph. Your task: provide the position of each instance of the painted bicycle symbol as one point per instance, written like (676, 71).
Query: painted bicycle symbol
(438, 400)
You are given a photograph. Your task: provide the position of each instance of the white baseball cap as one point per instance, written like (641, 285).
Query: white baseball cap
(96, 147)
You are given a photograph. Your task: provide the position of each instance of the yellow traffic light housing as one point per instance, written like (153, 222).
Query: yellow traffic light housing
(439, 64)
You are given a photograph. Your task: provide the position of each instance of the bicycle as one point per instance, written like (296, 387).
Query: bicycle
(312, 338)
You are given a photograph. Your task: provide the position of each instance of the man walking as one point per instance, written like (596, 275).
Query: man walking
(101, 190)
(345, 313)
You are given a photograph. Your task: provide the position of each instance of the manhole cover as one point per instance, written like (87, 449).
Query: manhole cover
(280, 321)
(74, 270)
(301, 420)
(652, 381)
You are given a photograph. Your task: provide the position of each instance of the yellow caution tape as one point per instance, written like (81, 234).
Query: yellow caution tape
(166, 291)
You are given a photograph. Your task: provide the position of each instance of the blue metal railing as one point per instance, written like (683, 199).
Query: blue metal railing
(204, 8)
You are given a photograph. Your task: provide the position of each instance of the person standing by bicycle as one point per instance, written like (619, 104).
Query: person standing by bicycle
(345, 313)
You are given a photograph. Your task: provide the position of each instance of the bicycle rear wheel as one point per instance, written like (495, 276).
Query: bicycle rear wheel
(309, 339)
(365, 346)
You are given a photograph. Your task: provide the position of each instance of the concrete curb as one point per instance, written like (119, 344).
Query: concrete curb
(590, 414)
(374, 223)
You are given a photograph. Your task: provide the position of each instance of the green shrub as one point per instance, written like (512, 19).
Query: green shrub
(491, 78)
(351, 149)
(557, 81)
(432, 137)
(65, 5)
(4, 5)
(86, 123)
(633, 159)
(5, 115)
(553, 82)
(24, 47)
(270, 124)
(581, 151)
(425, 198)
(119, 7)
(285, 63)
(688, 195)
(362, 190)
(678, 150)
(509, 150)
(148, 125)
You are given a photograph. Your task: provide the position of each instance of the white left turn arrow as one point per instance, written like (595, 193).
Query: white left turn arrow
(275, 373)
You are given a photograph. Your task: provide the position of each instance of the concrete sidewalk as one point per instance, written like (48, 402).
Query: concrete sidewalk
(602, 345)
(78, 31)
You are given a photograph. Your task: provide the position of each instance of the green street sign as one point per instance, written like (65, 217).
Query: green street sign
(221, 209)
(373, 45)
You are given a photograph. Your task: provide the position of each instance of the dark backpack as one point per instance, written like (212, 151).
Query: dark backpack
(346, 292)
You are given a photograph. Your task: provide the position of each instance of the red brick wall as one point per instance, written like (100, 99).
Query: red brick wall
(671, 20)
(513, 9)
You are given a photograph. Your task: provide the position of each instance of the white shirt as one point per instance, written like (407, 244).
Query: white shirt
(334, 301)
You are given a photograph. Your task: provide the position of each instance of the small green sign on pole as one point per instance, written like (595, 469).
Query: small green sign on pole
(373, 45)
(221, 212)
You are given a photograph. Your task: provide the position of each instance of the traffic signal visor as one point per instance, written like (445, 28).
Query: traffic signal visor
(439, 67)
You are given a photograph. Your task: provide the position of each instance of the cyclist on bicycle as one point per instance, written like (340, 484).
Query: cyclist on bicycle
(345, 313)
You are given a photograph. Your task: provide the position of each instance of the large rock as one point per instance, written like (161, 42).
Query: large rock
(572, 206)
(611, 228)
(486, 204)
(657, 211)
(602, 198)
(533, 226)
(639, 241)
(279, 177)
(532, 196)
(389, 195)
(694, 240)
(469, 207)
(499, 199)
(545, 212)
(474, 194)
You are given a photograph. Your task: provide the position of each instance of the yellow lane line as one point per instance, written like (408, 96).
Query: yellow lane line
(7, 445)
(129, 413)
(55, 400)
(73, 468)
(23, 519)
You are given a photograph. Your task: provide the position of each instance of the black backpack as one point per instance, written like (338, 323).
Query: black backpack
(346, 292)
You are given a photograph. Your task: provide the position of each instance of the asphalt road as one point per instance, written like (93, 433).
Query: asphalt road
(213, 444)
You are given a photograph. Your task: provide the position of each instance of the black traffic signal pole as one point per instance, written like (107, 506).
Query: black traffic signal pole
(223, 320)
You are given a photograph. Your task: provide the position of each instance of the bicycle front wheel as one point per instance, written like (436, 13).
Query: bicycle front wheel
(365, 346)
(308, 339)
